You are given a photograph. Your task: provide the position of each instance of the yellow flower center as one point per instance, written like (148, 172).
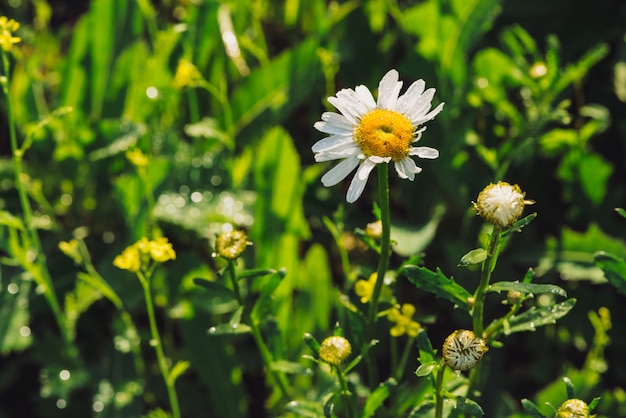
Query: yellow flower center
(384, 133)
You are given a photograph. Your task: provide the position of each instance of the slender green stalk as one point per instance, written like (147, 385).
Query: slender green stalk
(268, 359)
(401, 367)
(345, 392)
(439, 391)
(158, 345)
(383, 264)
(481, 291)
(40, 273)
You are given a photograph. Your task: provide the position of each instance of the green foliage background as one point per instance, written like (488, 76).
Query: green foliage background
(534, 95)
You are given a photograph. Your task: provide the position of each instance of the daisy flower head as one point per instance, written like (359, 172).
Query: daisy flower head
(368, 132)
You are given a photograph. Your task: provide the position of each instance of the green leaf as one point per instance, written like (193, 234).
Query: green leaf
(290, 367)
(262, 304)
(254, 273)
(312, 343)
(469, 406)
(179, 368)
(227, 329)
(438, 284)
(423, 409)
(475, 256)
(536, 317)
(621, 211)
(14, 316)
(410, 241)
(527, 288)
(569, 386)
(305, 409)
(614, 269)
(11, 221)
(517, 226)
(425, 347)
(376, 399)
(532, 409)
(219, 298)
(593, 173)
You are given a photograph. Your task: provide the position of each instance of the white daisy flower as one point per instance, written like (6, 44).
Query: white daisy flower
(368, 132)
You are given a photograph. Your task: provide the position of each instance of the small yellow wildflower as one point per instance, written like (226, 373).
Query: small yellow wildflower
(130, 259)
(231, 244)
(365, 288)
(404, 323)
(7, 28)
(137, 157)
(335, 350)
(70, 249)
(161, 250)
(187, 75)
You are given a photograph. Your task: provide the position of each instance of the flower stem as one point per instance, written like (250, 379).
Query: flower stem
(346, 392)
(488, 266)
(158, 345)
(400, 369)
(268, 359)
(439, 391)
(38, 268)
(383, 263)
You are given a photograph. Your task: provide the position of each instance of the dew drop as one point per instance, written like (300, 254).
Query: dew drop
(12, 288)
(212, 330)
(61, 403)
(98, 406)
(65, 375)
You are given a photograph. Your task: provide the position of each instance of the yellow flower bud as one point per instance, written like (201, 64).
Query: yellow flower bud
(573, 408)
(335, 350)
(230, 245)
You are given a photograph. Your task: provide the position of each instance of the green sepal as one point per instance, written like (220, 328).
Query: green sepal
(312, 343)
(426, 369)
(475, 256)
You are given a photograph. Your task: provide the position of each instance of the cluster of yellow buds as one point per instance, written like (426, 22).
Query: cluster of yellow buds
(573, 408)
(7, 28)
(403, 319)
(139, 255)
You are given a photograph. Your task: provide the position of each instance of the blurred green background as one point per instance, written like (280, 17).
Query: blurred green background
(535, 94)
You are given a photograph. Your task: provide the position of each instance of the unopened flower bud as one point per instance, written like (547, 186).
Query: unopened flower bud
(462, 350)
(513, 297)
(501, 204)
(335, 350)
(374, 230)
(573, 408)
(231, 244)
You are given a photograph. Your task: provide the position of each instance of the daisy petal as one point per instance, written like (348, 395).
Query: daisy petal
(407, 101)
(357, 185)
(331, 142)
(340, 171)
(406, 168)
(388, 90)
(334, 123)
(339, 153)
(366, 97)
(428, 116)
(424, 152)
